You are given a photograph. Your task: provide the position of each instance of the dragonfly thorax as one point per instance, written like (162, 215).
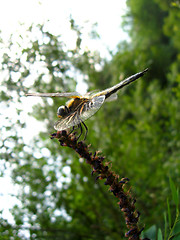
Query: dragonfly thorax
(62, 111)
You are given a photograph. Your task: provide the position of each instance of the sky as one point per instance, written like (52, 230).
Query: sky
(107, 14)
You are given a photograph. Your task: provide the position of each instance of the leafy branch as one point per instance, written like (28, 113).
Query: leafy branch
(172, 222)
(173, 229)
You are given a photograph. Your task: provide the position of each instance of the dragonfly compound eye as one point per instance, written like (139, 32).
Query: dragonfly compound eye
(61, 112)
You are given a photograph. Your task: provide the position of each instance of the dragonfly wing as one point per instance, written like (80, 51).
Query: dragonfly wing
(91, 107)
(82, 112)
(111, 98)
(110, 91)
(65, 94)
(67, 122)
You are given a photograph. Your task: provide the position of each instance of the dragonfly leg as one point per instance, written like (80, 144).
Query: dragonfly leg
(71, 130)
(86, 130)
(81, 130)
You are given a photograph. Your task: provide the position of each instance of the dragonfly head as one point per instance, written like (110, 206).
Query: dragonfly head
(62, 111)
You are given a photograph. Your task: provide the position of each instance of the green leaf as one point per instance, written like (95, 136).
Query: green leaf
(150, 233)
(177, 205)
(177, 237)
(174, 192)
(169, 213)
(176, 230)
(160, 236)
(165, 225)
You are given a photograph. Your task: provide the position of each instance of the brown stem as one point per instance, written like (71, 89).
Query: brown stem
(117, 186)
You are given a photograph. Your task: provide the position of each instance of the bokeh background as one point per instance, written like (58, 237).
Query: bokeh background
(47, 192)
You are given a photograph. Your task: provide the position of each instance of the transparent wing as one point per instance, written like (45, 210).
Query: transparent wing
(112, 90)
(65, 94)
(84, 111)
(112, 97)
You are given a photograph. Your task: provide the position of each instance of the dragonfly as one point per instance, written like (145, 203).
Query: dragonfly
(81, 107)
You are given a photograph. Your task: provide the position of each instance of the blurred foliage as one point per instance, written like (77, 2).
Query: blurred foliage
(171, 228)
(139, 133)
